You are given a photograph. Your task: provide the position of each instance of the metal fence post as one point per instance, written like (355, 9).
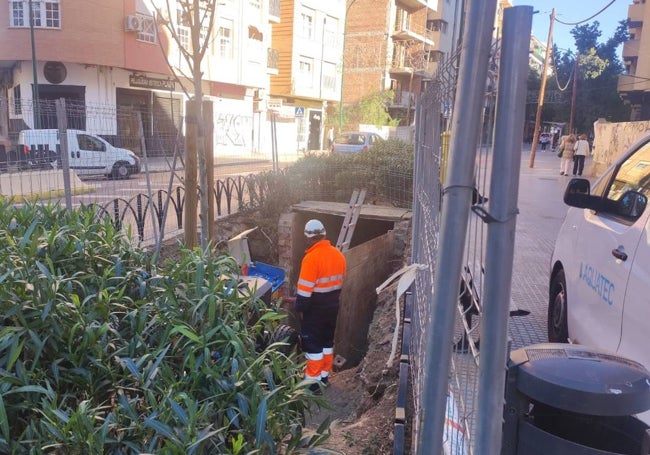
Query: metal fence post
(455, 211)
(62, 122)
(504, 187)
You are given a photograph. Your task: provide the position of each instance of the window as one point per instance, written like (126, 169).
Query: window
(633, 174)
(329, 33)
(148, 32)
(305, 71)
(329, 76)
(90, 143)
(184, 24)
(225, 38)
(18, 107)
(437, 25)
(45, 13)
(307, 24)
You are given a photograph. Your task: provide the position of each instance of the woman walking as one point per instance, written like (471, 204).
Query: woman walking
(581, 152)
(567, 144)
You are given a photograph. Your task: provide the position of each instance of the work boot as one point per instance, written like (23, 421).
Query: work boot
(316, 388)
(325, 381)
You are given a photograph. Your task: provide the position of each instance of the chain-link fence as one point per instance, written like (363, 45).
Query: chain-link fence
(463, 364)
(127, 161)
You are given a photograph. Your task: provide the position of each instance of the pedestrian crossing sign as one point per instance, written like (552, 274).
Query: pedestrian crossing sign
(299, 112)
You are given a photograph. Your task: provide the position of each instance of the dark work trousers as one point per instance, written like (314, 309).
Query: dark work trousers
(317, 328)
(578, 164)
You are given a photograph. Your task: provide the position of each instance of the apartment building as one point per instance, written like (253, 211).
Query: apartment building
(634, 86)
(110, 55)
(390, 45)
(309, 41)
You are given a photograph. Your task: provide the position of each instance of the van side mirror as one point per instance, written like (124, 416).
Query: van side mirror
(578, 194)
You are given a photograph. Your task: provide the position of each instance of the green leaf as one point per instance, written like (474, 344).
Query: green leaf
(154, 368)
(4, 422)
(187, 332)
(260, 426)
(28, 233)
(159, 427)
(179, 412)
(44, 270)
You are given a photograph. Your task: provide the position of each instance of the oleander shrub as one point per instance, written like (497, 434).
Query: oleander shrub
(103, 352)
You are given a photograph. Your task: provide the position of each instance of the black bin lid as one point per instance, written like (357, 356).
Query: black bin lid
(581, 379)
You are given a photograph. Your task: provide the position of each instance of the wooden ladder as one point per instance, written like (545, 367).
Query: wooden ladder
(350, 220)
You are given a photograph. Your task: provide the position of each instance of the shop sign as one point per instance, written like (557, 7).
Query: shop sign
(136, 80)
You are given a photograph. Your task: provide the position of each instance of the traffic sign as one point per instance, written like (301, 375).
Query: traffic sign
(299, 112)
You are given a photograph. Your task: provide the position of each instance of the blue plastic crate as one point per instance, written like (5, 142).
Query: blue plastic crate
(274, 275)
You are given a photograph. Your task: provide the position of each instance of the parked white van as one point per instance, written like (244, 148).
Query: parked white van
(88, 154)
(599, 293)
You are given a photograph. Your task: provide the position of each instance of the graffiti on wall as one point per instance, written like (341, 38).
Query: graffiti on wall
(612, 139)
(233, 130)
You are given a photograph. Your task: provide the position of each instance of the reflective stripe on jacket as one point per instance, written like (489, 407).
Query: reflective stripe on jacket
(321, 273)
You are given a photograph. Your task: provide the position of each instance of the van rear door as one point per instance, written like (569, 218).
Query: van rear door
(87, 154)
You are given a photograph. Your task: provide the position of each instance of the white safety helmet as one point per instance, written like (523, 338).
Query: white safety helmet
(314, 228)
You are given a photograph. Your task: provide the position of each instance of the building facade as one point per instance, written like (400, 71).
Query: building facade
(390, 45)
(309, 41)
(108, 56)
(634, 86)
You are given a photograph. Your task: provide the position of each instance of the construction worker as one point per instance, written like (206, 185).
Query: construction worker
(317, 302)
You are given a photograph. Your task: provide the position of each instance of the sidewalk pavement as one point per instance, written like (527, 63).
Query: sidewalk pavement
(541, 213)
(165, 163)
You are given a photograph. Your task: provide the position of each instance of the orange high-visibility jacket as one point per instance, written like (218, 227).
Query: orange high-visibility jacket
(321, 275)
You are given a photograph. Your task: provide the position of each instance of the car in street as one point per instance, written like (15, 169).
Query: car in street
(599, 283)
(354, 142)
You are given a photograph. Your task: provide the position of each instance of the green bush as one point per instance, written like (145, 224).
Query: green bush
(100, 352)
(385, 170)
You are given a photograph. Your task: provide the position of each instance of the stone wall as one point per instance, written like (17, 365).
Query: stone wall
(612, 139)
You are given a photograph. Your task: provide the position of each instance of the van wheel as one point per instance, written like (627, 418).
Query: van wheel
(558, 327)
(120, 171)
(285, 334)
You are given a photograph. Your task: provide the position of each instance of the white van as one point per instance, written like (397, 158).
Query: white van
(599, 293)
(87, 154)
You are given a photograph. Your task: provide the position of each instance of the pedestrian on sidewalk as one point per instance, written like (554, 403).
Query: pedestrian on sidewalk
(567, 144)
(582, 149)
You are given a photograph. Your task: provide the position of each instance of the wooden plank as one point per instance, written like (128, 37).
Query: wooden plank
(368, 211)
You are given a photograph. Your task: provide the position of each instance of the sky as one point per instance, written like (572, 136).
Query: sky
(574, 11)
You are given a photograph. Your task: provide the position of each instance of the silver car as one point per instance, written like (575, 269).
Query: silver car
(355, 142)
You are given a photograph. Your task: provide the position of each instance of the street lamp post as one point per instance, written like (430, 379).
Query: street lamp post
(35, 98)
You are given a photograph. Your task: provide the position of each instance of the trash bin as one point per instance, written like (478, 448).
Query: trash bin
(572, 399)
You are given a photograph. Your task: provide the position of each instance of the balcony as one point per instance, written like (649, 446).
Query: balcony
(632, 83)
(413, 4)
(635, 14)
(274, 11)
(631, 49)
(414, 32)
(625, 83)
(272, 60)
